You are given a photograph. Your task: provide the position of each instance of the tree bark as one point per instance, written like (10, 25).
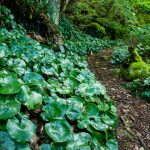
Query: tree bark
(64, 5)
(53, 10)
(48, 15)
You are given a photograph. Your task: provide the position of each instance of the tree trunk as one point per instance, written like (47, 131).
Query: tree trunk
(64, 5)
(53, 10)
(48, 15)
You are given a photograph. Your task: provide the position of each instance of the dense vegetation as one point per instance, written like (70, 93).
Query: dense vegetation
(50, 95)
(49, 99)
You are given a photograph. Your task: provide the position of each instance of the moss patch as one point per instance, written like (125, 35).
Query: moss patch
(96, 30)
(136, 57)
(138, 70)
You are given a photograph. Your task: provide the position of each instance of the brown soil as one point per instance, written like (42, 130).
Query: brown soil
(133, 132)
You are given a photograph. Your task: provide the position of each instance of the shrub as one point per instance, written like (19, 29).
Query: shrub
(79, 42)
(95, 30)
(138, 70)
(113, 28)
(140, 87)
(120, 55)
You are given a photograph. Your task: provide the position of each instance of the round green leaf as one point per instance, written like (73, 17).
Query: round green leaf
(9, 85)
(20, 146)
(45, 147)
(23, 95)
(4, 50)
(6, 143)
(58, 130)
(75, 100)
(34, 101)
(103, 107)
(21, 130)
(33, 79)
(91, 109)
(73, 112)
(112, 144)
(98, 124)
(53, 110)
(109, 119)
(83, 121)
(48, 71)
(8, 107)
(80, 142)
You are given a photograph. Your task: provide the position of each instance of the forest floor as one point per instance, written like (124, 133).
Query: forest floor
(133, 132)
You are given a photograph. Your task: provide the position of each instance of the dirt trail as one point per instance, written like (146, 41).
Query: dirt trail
(133, 131)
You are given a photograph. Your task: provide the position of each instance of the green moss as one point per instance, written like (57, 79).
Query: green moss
(136, 57)
(113, 28)
(108, 23)
(82, 19)
(95, 29)
(138, 70)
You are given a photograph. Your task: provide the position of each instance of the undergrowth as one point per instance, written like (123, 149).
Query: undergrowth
(80, 42)
(136, 72)
(140, 88)
(50, 100)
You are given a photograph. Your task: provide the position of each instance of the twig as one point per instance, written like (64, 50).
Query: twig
(135, 135)
(142, 142)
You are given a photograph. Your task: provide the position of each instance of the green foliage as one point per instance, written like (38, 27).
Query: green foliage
(61, 88)
(144, 51)
(141, 34)
(59, 130)
(6, 142)
(138, 70)
(80, 141)
(113, 28)
(115, 16)
(53, 110)
(33, 79)
(22, 130)
(120, 55)
(140, 87)
(79, 42)
(34, 101)
(129, 20)
(9, 85)
(95, 30)
(45, 147)
(9, 107)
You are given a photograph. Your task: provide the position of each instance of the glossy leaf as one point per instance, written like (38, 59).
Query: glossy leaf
(34, 101)
(33, 79)
(9, 85)
(80, 141)
(46, 147)
(97, 124)
(112, 144)
(4, 50)
(8, 107)
(20, 146)
(59, 130)
(6, 142)
(53, 110)
(103, 107)
(74, 112)
(21, 130)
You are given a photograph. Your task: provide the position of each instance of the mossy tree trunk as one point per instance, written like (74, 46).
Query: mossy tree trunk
(53, 9)
(64, 5)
